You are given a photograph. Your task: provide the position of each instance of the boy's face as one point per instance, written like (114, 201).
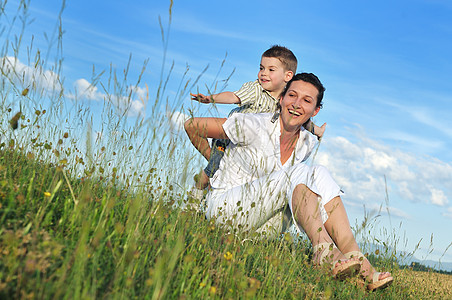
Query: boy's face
(272, 74)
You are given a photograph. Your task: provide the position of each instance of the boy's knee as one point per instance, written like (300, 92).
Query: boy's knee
(187, 124)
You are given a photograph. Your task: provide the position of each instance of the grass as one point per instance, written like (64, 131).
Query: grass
(117, 244)
(88, 215)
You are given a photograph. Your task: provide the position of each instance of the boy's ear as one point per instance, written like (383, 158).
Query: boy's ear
(288, 77)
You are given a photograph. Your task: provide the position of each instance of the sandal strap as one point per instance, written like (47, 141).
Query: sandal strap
(354, 254)
(347, 268)
(379, 284)
(326, 249)
(376, 277)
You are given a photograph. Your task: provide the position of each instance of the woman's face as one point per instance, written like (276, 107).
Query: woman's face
(298, 104)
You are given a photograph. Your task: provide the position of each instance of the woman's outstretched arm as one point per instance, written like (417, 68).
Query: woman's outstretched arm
(199, 129)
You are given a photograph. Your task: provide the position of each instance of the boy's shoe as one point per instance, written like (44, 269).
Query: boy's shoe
(196, 200)
(196, 194)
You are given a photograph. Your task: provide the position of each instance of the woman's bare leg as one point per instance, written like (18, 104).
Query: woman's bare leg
(306, 211)
(338, 228)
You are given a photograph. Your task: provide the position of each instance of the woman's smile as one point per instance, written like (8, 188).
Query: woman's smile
(294, 112)
(299, 104)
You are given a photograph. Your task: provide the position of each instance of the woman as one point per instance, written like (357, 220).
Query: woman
(263, 170)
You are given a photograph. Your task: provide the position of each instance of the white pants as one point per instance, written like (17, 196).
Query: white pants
(259, 205)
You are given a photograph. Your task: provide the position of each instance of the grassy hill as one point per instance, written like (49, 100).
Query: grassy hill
(88, 214)
(70, 238)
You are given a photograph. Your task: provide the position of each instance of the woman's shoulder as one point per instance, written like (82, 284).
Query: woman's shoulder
(249, 125)
(259, 117)
(257, 120)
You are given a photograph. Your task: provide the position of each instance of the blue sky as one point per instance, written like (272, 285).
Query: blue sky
(386, 66)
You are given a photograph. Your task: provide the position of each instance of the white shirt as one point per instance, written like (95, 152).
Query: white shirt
(254, 151)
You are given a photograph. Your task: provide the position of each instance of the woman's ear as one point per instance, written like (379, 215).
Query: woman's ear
(316, 111)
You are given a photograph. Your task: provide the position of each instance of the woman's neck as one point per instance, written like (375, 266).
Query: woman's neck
(288, 133)
(288, 139)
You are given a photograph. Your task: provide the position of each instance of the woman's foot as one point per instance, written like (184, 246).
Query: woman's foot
(379, 281)
(375, 280)
(341, 267)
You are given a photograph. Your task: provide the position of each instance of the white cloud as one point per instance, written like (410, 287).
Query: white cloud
(438, 197)
(23, 76)
(177, 119)
(393, 211)
(136, 108)
(380, 161)
(389, 210)
(361, 168)
(141, 93)
(132, 108)
(405, 190)
(85, 90)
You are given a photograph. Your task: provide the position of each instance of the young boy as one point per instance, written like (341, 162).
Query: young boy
(277, 66)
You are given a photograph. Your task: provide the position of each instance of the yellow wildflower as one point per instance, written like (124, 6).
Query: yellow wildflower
(228, 256)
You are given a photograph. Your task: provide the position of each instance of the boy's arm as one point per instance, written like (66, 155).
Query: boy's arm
(199, 129)
(223, 98)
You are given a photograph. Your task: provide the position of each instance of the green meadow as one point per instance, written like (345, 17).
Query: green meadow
(92, 201)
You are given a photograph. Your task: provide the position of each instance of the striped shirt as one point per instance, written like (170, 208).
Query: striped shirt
(254, 99)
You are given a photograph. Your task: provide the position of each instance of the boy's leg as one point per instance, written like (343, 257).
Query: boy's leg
(196, 195)
(202, 180)
(217, 153)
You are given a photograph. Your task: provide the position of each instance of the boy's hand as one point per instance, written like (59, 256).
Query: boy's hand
(319, 131)
(201, 98)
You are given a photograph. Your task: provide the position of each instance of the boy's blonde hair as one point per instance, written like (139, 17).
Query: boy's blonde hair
(284, 55)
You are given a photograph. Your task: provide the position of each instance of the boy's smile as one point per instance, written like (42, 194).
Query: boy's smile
(272, 75)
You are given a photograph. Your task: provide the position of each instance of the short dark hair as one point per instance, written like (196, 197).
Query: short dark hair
(312, 79)
(285, 56)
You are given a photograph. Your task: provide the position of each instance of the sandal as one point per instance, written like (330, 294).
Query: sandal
(375, 283)
(346, 268)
